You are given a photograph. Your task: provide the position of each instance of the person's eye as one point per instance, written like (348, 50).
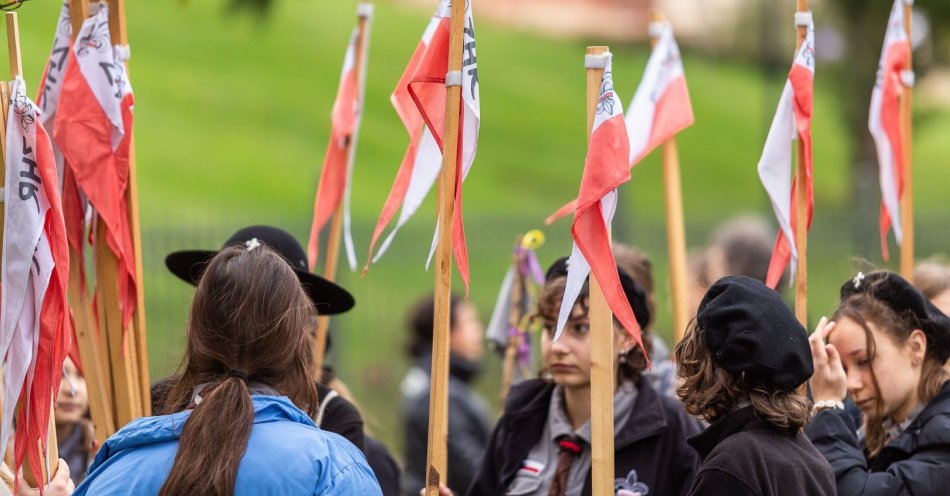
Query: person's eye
(581, 329)
(864, 362)
(548, 329)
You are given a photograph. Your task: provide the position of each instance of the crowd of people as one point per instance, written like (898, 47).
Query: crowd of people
(747, 403)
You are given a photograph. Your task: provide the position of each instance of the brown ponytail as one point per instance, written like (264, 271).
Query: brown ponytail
(248, 323)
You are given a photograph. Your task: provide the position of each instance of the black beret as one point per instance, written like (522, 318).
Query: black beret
(908, 303)
(751, 332)
(635, 293)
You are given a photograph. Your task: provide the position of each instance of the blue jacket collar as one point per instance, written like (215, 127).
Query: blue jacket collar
(163, 428)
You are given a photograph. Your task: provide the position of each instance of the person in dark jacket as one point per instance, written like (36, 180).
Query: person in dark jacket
(741, 362)
(886, 346)
(541, 444)
(468, 419)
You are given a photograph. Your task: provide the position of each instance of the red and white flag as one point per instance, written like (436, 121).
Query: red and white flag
(792, 121)
(420, 102)
(94, 130)
(337, 170)
(605, 168)
(885, 120)
(660, 108)
(35, 329)
(74, 205)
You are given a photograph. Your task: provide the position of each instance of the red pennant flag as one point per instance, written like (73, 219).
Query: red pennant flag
(35, 328)
(792, 121)
(606, 168)
(94, 130)
(335, 177)
(424, 83)
(884, 121)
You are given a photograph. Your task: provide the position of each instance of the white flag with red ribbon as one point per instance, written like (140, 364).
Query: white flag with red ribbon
(337, 170)
(94, 131)
(884, 120)
(34, 320)
(419, 100)
(792, 121)
(660, 108)
(605, 168)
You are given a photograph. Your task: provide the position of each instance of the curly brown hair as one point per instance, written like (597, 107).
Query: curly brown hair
(631, 364)
(710, 392)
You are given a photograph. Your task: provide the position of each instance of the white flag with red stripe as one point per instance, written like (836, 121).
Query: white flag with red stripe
(605, 168)
(660, 108)
(884, 121)
(34, 325)
(94, 130)
(792, 121)
(420, 102)
(337, 170)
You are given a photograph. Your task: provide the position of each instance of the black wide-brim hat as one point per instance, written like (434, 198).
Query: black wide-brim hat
(329, 298)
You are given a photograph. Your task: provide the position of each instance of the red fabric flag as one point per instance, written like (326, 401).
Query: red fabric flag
(792, 120)
(94, 130)
(36, 328)
(334, 184)
(426, 88)
(607, 167)
(884, 121)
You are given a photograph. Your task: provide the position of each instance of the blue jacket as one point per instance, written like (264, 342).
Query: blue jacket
(286, 455)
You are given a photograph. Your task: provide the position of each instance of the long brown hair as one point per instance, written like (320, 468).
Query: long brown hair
(863, 308)
(709, 391)
(249, 317)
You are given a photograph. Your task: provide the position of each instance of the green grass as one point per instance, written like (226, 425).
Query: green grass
(232, 117)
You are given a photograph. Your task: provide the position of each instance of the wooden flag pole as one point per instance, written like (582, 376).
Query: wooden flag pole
(601, 337)
(16, 70)
(675, 229)
(907, 174)
(138, 343)
(95, 369)
(331, 263)
(514, 321)
(801, 206)
(436, 466)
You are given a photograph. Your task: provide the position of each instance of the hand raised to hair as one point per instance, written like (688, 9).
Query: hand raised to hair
(829, 382)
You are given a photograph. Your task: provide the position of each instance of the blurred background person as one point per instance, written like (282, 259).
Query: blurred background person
(932, 278)
(74, 431)
(468, 416)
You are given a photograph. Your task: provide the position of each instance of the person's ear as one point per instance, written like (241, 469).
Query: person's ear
(917, 343)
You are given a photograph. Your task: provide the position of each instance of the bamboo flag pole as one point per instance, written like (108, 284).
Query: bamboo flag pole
(514, 321)
(364, 13)
(16, 70)
(95, 369)
(601, 332)
(436, 466)
(801, 206)
(675, 230)
(907, 176)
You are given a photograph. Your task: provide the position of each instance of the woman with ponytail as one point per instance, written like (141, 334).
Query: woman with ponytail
(246, 377)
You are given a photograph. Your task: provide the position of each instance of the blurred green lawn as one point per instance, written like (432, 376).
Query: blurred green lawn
(232, 117)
